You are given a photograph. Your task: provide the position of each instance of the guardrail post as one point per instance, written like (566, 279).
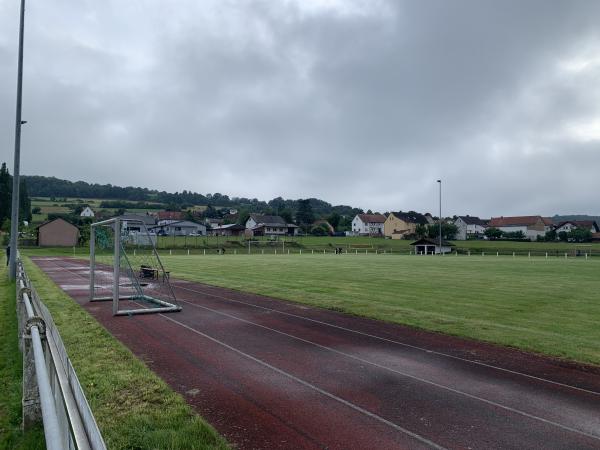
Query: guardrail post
(32, 408)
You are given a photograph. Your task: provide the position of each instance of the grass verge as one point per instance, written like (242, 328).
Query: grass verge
(11, 375)
(134, 408)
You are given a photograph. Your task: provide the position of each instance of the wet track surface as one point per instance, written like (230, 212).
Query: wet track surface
(272, 374)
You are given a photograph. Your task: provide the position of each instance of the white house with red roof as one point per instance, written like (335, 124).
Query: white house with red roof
(368, 224)
(530, 226)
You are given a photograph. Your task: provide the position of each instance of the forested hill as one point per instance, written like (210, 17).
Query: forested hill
(40, 186)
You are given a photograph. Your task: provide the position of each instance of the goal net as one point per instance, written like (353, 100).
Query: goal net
(125, 266)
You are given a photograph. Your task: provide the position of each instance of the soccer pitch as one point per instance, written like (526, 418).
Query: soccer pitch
(549, 306)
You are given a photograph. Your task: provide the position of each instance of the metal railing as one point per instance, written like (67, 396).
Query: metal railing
(51, 389)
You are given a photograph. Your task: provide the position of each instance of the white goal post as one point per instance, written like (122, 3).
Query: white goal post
(124, 265)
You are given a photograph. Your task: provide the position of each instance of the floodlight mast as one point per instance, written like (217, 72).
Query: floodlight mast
(14, 224)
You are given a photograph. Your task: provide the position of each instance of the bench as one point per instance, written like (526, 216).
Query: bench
(148, 272)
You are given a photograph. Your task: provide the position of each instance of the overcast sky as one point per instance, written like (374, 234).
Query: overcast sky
(359, 102)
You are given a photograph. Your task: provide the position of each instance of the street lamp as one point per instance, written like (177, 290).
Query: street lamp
(14, 224)
(440, 217)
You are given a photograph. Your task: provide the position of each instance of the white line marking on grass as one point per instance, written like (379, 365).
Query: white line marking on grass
(310, 385)
(392, 341)
(399, 372)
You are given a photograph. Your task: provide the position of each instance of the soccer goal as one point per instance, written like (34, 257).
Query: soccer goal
(125, 266)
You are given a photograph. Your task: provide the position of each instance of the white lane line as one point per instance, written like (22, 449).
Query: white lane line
(399, 372)
(304, 383)
(311, 386)
(391, 341)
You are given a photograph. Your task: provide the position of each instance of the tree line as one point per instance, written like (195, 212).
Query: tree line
(40, 186)
(6, 181)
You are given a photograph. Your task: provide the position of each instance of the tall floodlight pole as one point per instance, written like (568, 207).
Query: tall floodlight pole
(14, 224)
(440, 218)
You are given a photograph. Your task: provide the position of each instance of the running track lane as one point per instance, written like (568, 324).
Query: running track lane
(271, 374)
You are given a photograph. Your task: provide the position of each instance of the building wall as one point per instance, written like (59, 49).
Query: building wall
(530, 232)
(371, 228)
(251, 223)
(396, 228)
(58, 233)
(358, 227)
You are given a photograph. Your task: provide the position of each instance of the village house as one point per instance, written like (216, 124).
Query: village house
(469, 227)
(400, 225)
(57, 233)
(232, 229)
(571, 225)
(179, 228)
(259, 225)
(131, 222)
(170, 215)
(530, 226)
(87, 212)
(368, 224)
(212, 222)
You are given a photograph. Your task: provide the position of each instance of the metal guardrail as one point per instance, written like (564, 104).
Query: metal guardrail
(51, 389)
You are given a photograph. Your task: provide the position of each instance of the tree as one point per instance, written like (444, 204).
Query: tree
(334, 219)
(243, 217)
(493, 233)
(563, 236)
(550, 236)
(24, 202)
(580, 235)
(5, 190)
(305, 216)
(449, 231)
(320, 230)
(287, 215)
(421, 231)
(6, 197)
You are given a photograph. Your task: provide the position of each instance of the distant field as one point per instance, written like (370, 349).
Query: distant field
(362, 243)
(547, 306)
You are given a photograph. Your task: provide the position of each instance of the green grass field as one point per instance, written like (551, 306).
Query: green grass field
(547, 306)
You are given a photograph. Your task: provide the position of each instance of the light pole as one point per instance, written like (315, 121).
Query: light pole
(14, 224)
(440, 217)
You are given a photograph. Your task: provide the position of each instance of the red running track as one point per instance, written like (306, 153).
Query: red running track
(268, 374)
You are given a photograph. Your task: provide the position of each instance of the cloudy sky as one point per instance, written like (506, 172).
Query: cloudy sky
(360, 102)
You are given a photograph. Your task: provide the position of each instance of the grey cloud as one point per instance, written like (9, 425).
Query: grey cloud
(362, 103)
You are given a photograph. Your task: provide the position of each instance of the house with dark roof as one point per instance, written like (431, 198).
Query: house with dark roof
(368, 224)
(232, 229)
(263, 225)
(133, 222)
(530, 226)
(570, 225)
(179, 228)
(470, 227)
(401, 225)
